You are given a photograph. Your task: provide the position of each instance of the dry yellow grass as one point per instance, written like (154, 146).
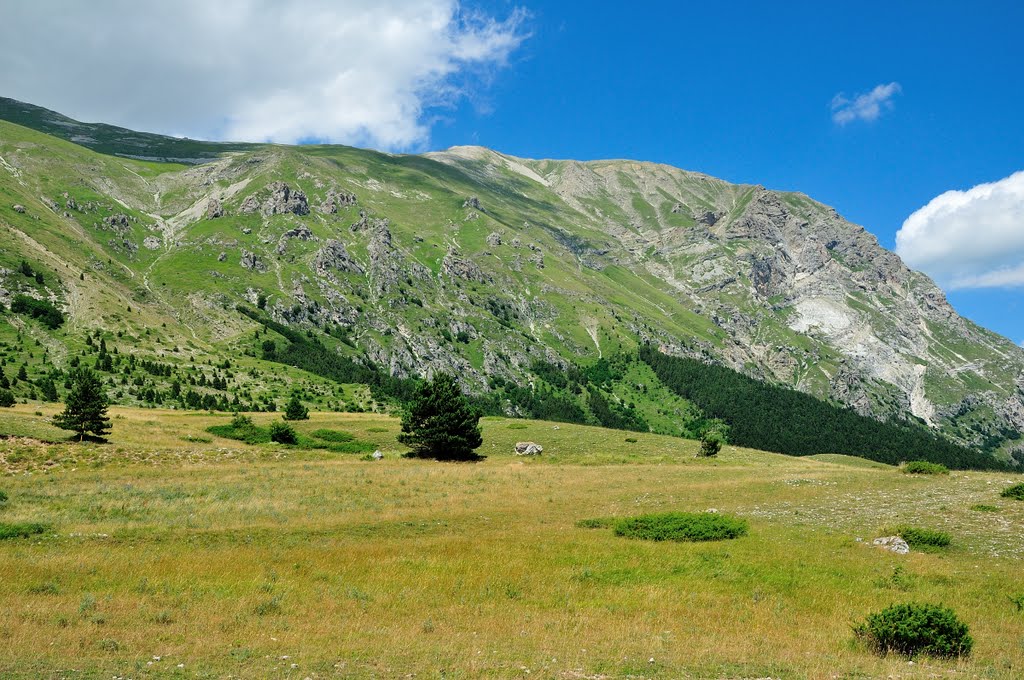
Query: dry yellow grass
(253, 562)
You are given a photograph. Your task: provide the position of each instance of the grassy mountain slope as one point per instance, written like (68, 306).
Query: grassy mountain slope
(480, 264)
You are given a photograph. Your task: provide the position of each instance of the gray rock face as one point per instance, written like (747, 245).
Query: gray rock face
(119, 223)
(283, 199)
(456, 267)
(251, 262)
(528, 449)
(250, 205)
(707, 217)
(151, 242)
(494, 239)
(334, 256)
(18, 208)
(892, 543)
(336, 200)
(214, 209)
(472, 202)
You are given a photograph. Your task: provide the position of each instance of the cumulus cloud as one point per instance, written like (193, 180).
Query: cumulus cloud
(364, 72)
(867, 106)
(969, 239)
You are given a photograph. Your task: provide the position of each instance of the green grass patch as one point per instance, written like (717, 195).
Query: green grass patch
(681, 526)
(22, 529)
(982, 507)
(1016, 492)
(923, 467)
(335, 436)
(241, 428)
(242, 431)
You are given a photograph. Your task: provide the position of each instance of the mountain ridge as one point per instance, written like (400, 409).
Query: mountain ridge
(525, 259)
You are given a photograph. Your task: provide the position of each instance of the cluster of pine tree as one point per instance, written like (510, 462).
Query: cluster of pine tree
(780, 419)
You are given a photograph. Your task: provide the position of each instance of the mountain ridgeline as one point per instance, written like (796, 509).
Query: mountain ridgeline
(632, 295)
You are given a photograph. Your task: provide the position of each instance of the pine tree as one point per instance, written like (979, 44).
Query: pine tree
(86, 407)
(441, 423)
(295, 410)
(48, 389)
(6, 398)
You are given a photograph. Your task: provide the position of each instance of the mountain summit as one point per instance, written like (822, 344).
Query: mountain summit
(484, 265)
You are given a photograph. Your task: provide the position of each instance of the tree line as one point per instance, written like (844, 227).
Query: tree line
(780, 419)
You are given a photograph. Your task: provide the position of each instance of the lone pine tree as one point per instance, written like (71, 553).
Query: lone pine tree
(295, 410)
(441, 423)
(86, 407)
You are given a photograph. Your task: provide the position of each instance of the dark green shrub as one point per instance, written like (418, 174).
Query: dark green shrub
(335, 436)
(1018, 602)
(240, 421)
(918, 537)
(50, 316)
(1016, 492)
(242, 429)
(912, 629)
(681, 526)
(3, 497)
(923, 467)
(295, 410)
(711, 443)
(22, 529)
(283, 433)
(6, 398)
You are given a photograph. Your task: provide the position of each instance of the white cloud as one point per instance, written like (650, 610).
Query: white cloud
(361, 72)
(867, 106)
(969, 239)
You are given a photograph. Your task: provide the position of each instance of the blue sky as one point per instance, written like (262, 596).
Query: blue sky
(743, 91)
(875, 108)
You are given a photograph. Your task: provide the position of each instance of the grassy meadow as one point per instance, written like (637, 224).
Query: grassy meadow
(175, 553)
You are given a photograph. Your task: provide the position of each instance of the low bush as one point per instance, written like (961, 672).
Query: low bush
(711, 443)
(982, 507)
(283, 433)
(335, 436)
(3, 497)
(22, 529)
(921, 538)
(923, 467)
(913, 629)
(681, 526)
(242, 429)
(1016, 492)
